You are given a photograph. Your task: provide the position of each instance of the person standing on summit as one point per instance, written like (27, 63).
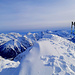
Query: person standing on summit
(72, 27)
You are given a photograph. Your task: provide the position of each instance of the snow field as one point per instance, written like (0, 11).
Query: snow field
(51, 55)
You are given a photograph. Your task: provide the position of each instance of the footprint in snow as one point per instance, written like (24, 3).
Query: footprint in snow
(62, 63)
(72, 67)
(48, 60)
(66, 54)
(57, 69)
(62, 47)
(67, 73)
(58, 64)
(69, 54)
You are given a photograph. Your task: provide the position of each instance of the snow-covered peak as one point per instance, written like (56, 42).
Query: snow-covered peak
(53, 53)
(12, 44)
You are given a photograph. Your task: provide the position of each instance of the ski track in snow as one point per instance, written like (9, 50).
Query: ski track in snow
(51, 55)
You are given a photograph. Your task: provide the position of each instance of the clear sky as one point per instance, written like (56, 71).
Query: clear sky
(35, 14)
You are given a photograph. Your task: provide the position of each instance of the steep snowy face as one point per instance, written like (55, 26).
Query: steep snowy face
(12, 44)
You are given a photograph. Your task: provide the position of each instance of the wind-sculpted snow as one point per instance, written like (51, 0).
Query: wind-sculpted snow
(12, 44)
(53, 53)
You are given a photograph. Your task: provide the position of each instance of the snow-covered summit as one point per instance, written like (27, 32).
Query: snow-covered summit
(53, 53)
(13, 43)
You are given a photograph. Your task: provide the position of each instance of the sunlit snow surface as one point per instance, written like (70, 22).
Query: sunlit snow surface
(53, 53)
(4, 63)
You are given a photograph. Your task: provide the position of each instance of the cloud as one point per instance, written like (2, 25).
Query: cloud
(33, 14)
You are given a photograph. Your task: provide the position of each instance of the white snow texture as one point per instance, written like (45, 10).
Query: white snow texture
(52, 54)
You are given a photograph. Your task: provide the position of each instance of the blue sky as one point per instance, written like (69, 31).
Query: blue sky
(36, 14)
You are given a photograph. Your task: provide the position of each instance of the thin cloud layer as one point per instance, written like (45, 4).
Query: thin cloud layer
(33, 14)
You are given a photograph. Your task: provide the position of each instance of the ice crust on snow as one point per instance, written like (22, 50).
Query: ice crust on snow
(53, 53)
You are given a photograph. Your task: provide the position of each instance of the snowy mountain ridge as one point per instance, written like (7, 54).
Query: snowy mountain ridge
(53, 53)
(12, 44)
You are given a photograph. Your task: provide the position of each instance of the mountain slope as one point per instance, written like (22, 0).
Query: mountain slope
(50, 55)
(13, 44)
